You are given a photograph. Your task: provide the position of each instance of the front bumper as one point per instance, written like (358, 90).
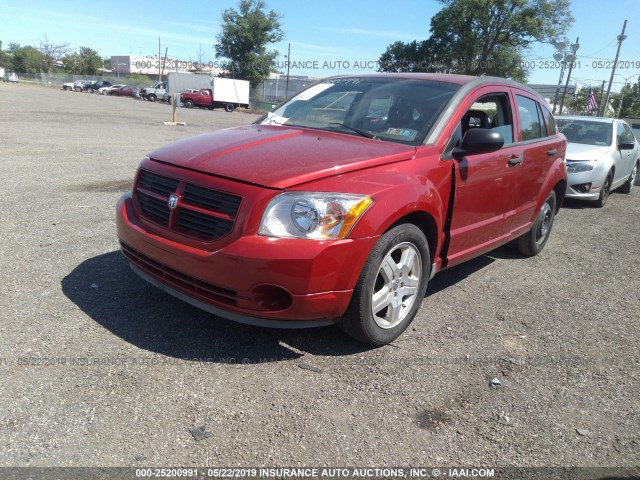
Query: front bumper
(577, 181)
(259, 280)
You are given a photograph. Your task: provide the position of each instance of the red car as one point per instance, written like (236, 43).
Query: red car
(316, 215)
(126, 91)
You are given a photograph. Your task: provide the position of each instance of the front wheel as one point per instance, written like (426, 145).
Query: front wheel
(604, 191)
(628, 185)
(390, 288)
(532, 242)
(151, 97)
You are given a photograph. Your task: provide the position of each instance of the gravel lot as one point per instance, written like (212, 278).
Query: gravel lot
(100, 369)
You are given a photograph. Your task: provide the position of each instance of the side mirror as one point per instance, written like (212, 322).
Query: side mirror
(626, 146)
(478, 140)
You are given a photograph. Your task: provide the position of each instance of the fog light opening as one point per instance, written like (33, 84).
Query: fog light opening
(582, 187)
(271, 297)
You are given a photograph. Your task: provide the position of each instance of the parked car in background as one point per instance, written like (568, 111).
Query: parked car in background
(155, 92)
(79, 86)
(602, 155)
(91, 87)
(125, 91)
(106, 90)
(72, 85)
(11, 77)
(317, 215)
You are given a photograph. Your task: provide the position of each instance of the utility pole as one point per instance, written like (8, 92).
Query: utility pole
(159, 52)
(601, 95)
(621, 38)
(286, 91)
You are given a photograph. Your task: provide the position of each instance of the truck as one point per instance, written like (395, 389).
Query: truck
(224, 93)
(1, 74)
(154, 92)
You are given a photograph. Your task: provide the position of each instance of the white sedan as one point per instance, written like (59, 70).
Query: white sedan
(602, 155)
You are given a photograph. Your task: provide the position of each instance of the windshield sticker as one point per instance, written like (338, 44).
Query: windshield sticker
(407, 133)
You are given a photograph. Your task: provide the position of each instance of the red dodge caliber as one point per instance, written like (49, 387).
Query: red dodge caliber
(341, 205)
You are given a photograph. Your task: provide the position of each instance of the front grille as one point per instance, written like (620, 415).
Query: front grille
(152, 207)
(202, 213)
(218, 201)
(157, 183)
(203, 224)
(178, 280)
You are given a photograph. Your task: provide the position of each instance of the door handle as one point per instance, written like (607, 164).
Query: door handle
(552, 152)
(515, 161)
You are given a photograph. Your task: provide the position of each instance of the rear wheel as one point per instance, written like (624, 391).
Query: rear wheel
(604, 191)
(532, 242)
(628, 185)
(89, 90)
(188, 103)
(229, 107)
(391, 287)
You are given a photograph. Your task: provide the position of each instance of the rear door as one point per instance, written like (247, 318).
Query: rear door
(627, 157)
(540, 146)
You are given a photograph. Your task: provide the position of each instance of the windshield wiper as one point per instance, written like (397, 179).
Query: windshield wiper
(360, 132)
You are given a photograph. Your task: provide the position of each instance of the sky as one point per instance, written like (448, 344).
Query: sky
(326, 38)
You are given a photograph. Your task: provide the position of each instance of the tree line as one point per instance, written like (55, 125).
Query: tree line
(48, 57)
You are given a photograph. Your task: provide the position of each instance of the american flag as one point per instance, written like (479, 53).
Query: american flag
(591, 101)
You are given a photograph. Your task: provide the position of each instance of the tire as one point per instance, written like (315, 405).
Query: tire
(628, 185)
(65, 88)
(188, 103)
(605, 191)
(151, 97)
(229, 107)
(89, 90)
(532, 242)
(390, 288)
(77, 89)
(104, 92)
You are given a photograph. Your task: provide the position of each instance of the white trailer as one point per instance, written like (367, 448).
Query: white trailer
(230, 93)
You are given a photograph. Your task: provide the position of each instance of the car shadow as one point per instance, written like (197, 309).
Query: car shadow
(449, 277)
(105, 288)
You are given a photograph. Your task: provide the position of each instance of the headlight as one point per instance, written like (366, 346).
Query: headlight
(577, 167)
(318, 216)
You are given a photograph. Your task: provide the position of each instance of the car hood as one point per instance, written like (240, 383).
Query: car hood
(580, 151)
(277, 156)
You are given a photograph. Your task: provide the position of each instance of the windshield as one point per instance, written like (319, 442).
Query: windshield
(391, 109)
(586, 132)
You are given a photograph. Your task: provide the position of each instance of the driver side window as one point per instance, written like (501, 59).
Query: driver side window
(492, 112)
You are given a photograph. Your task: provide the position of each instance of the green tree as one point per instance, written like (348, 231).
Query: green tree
(629, 96)
(487, 37)
(27, 60)
(246, 32)
(91, 61)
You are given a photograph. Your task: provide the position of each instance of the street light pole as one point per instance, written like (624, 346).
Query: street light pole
(574, 49)
(563, 56)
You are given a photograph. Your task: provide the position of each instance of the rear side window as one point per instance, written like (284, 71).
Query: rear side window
(550, 121)
(532, 124)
